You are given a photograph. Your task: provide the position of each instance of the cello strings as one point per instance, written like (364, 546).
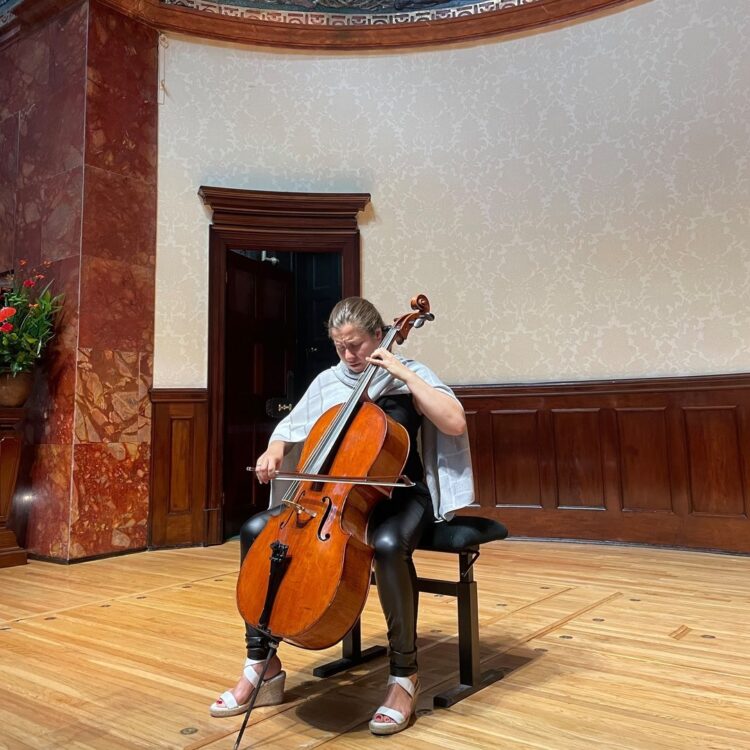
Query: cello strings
(321, 451)
(332, 434)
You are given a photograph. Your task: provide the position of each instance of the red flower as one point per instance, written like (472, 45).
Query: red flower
(6, 328)
(7, 312)
(22, 262)
(29, 282)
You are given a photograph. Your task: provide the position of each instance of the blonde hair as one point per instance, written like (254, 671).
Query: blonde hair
(358, 312)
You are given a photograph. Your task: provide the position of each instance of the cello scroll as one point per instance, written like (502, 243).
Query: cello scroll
(405, 323)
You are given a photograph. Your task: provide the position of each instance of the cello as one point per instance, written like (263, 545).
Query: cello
(311, 589)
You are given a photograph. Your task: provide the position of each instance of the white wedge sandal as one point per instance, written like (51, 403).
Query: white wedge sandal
(270, 693)
(400, 721)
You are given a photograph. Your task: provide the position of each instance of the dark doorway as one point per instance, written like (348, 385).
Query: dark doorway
(277, 264)
(275, 343)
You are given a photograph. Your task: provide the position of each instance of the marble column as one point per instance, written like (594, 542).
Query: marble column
(79, 194)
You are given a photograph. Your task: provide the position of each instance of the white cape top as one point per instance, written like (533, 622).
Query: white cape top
(446, 458)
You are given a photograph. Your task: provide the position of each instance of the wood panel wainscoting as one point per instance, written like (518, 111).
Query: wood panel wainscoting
(179, 512)
(657, 461)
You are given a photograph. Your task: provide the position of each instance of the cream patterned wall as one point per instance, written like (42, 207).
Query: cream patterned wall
(574, 202)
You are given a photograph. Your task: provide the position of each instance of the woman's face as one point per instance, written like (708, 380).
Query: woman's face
(353, 345)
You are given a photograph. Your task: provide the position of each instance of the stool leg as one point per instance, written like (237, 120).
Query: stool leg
(471, 679)
(468, 634)
(351, 654)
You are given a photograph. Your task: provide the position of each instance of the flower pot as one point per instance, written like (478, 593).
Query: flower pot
(15, 390)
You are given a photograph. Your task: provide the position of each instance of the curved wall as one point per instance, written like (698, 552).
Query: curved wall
(574, 202)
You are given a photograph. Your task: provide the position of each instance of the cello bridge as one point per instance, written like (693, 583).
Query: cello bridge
(299, 508)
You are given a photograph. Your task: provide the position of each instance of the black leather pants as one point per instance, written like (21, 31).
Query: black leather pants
(394, 531)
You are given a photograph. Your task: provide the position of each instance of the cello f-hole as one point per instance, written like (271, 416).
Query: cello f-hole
(325, 537)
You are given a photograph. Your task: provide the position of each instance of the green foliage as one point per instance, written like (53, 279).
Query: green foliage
(25, 333)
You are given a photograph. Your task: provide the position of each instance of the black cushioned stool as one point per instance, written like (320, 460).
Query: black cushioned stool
(463, 535)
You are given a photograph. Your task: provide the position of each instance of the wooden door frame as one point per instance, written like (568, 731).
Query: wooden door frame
(281, 222)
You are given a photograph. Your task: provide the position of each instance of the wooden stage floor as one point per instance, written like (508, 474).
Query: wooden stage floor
(604, 647)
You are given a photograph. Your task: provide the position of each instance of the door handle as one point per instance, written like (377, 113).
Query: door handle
(276, 408)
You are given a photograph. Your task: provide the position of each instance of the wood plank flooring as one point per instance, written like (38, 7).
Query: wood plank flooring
(602, 646)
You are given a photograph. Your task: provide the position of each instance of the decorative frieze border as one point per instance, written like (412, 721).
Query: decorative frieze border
(328, 31)
(347, 19)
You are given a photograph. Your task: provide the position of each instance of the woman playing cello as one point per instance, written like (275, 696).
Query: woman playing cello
(413, 396)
